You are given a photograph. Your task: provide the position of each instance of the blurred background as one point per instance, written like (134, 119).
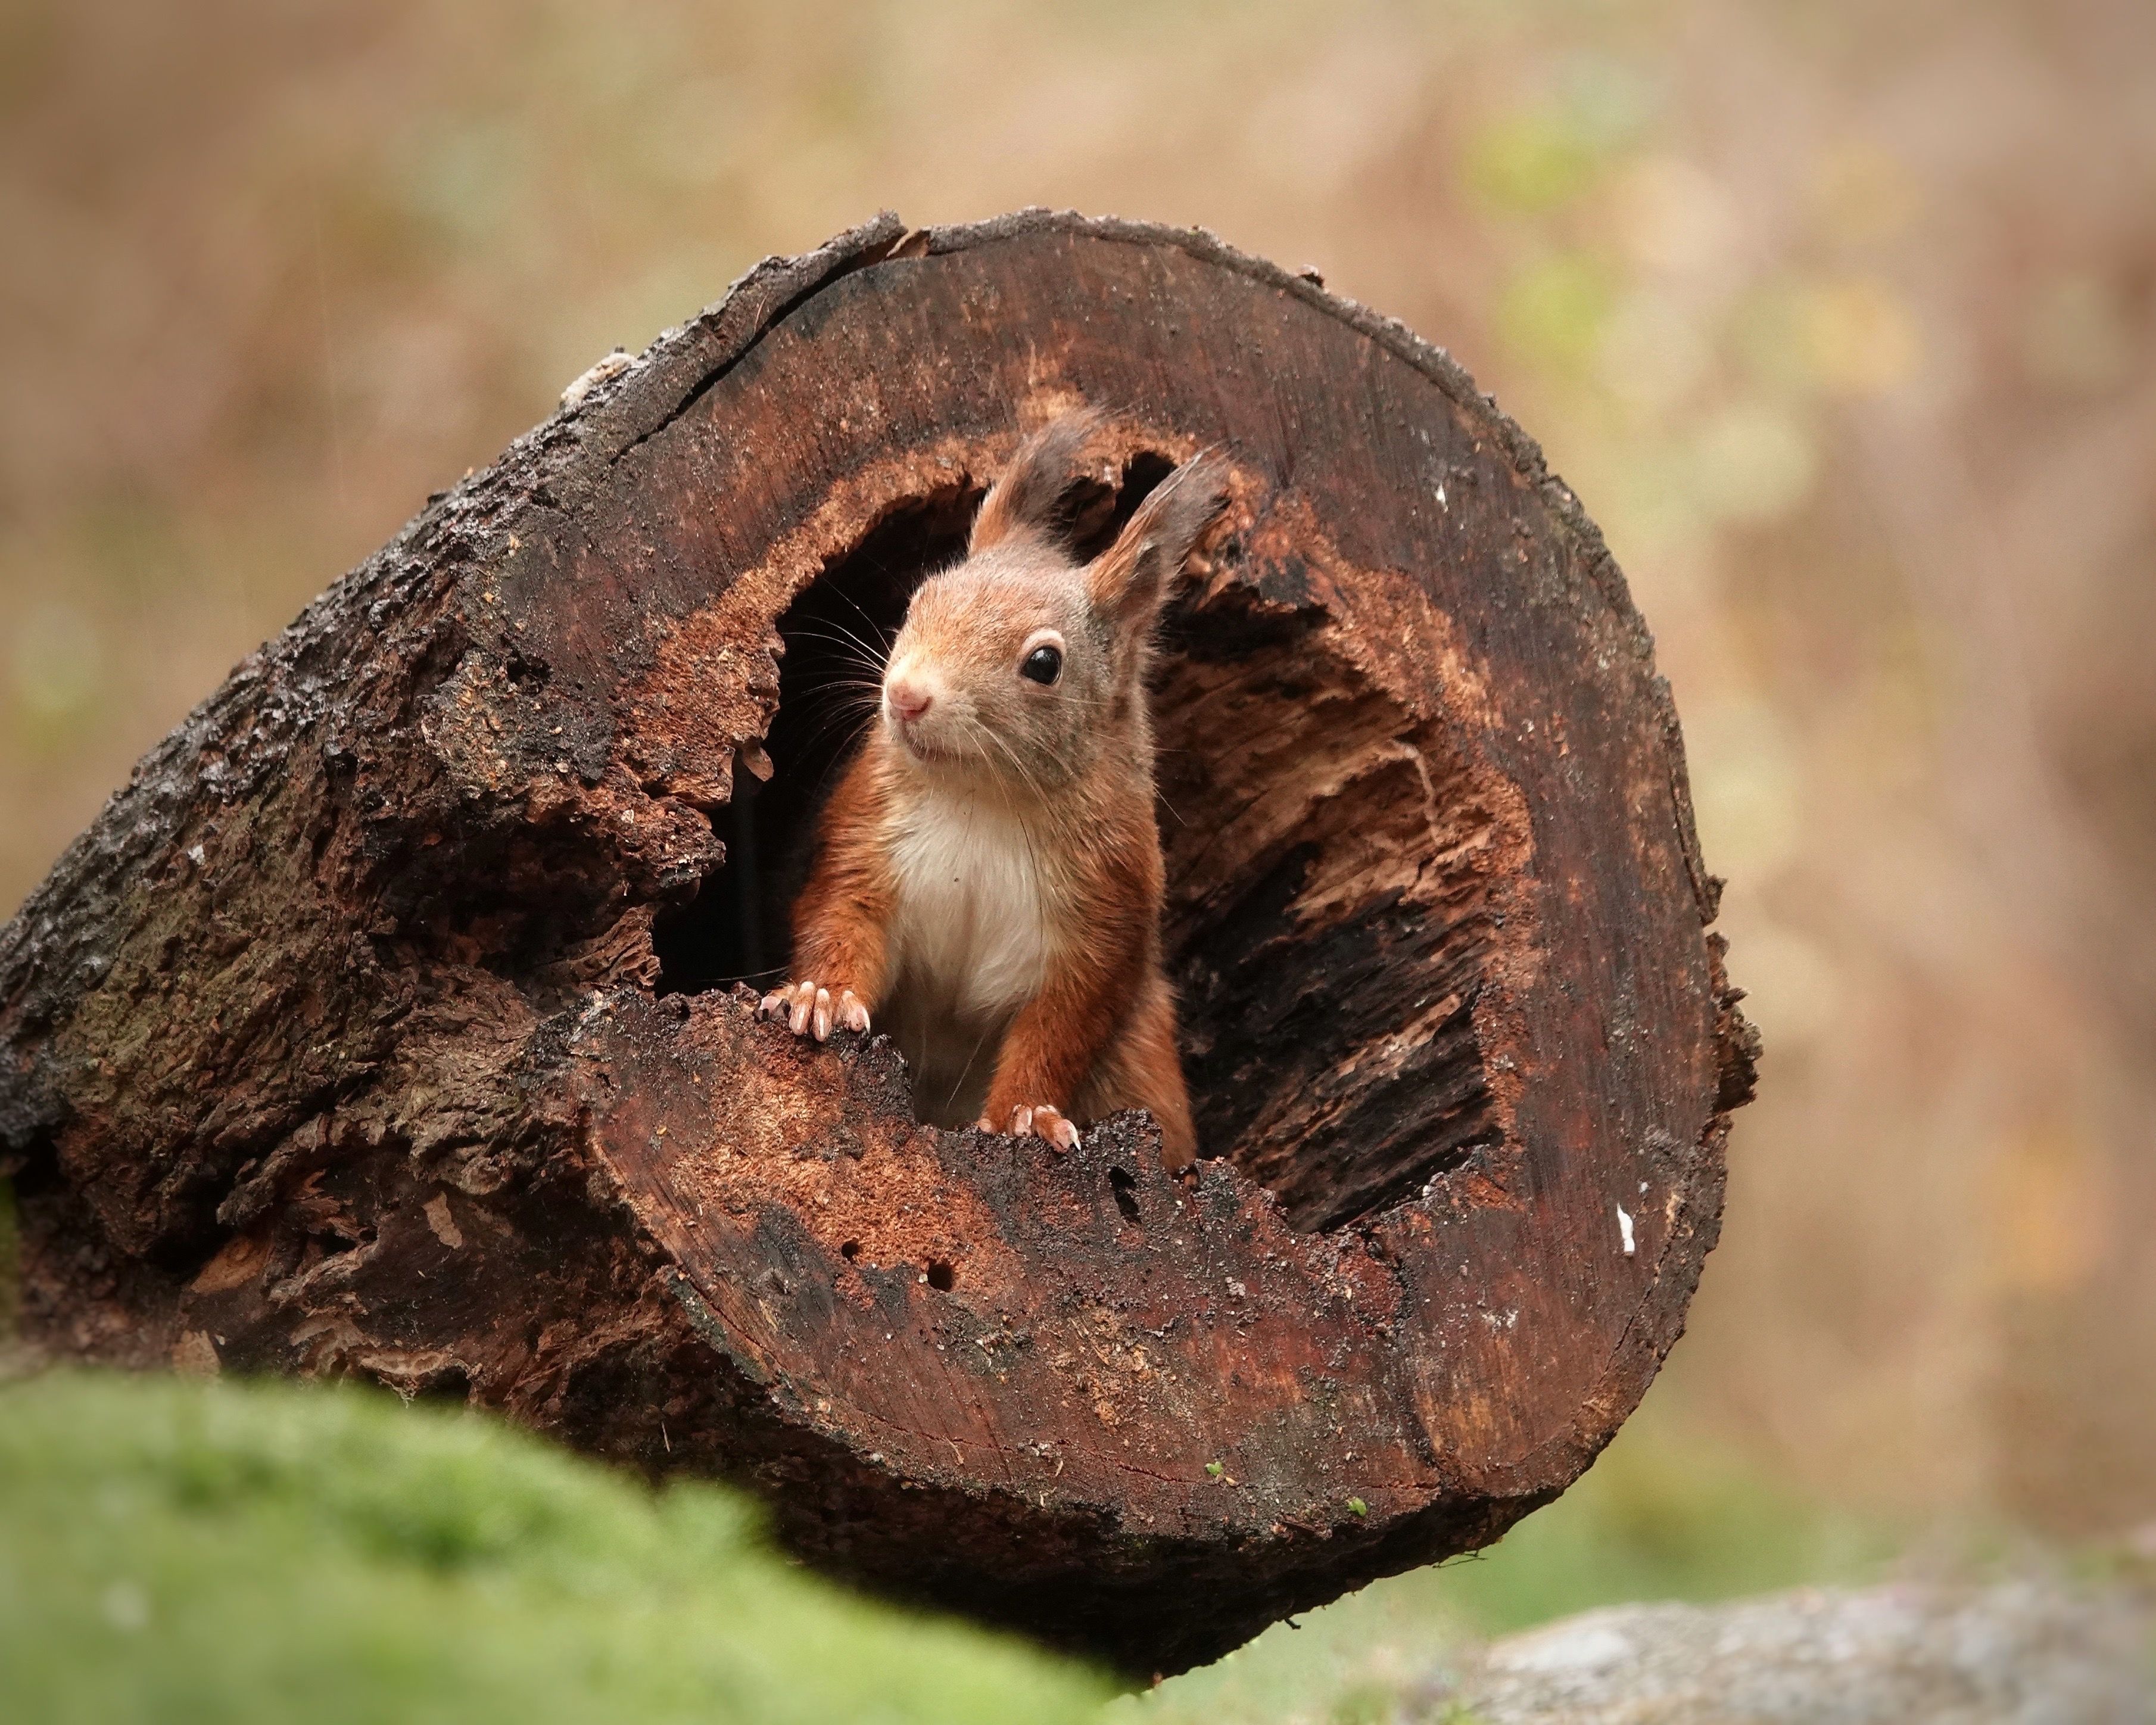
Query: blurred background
(1840, 318)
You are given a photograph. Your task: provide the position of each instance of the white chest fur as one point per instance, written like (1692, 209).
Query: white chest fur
(969, 925)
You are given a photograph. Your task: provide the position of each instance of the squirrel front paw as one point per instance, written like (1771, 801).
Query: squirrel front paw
(804, 1007)
(1041, 1121)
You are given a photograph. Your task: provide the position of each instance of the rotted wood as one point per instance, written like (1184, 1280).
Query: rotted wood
(390, 1021)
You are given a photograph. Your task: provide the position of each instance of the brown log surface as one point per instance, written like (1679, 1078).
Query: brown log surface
(380, 1025)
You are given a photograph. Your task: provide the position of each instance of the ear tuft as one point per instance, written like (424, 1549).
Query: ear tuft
(1129, 580)
(1041, 471)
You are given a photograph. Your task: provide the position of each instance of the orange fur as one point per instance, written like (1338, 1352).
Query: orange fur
(989, 871)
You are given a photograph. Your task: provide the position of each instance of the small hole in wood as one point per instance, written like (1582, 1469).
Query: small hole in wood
(1124, 1183)
(851, 1250)
(451, 1385)
(334, 1241)
(942, 1276)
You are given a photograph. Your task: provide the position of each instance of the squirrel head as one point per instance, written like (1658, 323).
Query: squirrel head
(1021, 667)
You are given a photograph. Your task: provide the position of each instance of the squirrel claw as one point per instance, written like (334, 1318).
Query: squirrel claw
(1038, 1120)
(807, 1008)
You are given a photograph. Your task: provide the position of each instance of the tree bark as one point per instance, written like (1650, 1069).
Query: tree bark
(389, 1023)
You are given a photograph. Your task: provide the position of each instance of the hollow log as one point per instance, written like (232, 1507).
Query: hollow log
(391, 1021)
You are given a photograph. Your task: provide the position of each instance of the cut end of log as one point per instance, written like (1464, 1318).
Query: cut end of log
(398, 1020)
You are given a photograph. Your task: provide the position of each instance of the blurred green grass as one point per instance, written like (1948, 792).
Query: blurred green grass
(181, 1552)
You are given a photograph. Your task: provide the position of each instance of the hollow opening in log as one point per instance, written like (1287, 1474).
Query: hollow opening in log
(1328, 923)
(836, 632)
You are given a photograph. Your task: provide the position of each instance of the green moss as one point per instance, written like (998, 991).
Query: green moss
(187, 1553)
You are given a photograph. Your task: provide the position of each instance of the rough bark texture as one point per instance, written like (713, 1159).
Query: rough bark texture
(382, 1024)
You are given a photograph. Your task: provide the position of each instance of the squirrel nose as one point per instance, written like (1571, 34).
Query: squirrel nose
(909, 701)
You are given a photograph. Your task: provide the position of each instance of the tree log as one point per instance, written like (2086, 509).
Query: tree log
(389, 1022)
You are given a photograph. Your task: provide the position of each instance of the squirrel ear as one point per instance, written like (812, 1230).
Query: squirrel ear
(1128, 581)
(1033, 485)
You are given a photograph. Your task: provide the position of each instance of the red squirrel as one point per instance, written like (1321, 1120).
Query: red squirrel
(987, 874)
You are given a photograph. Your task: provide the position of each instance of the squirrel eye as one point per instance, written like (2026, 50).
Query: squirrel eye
(1043, 665)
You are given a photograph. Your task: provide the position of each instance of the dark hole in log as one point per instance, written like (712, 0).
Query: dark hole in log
(1123, 1183)
(851, 1250)
(451, 1385)
(334, 1241)
(1327, 924)
(942, 1276)
(836, 633)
